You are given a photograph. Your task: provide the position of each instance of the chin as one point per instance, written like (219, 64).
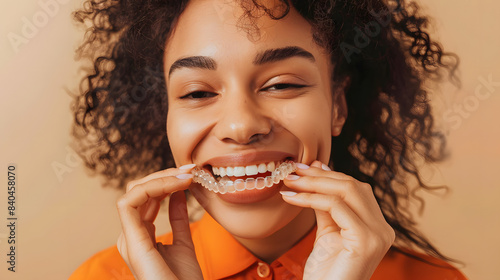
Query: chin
(249, 221)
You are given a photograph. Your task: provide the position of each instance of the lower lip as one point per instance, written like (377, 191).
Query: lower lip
(250, 196)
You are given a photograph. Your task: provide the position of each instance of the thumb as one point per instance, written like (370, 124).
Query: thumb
(179, 220)
(316, 163)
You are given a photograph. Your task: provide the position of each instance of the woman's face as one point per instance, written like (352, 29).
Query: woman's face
(235, 102)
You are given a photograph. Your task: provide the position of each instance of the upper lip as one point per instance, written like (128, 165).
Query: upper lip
(248, 158)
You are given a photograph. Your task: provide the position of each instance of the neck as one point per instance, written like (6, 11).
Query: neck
(272, 247)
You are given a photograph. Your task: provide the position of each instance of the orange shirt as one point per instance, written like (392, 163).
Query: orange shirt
(222, 257)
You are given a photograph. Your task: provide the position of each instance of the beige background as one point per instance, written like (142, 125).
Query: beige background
(64, 218)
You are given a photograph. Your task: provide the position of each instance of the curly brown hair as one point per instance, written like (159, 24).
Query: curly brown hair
(382, 47)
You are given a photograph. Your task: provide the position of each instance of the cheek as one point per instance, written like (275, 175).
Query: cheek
(310, 121)
(184, 131)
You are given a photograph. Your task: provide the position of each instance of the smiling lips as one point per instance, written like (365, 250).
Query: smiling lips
(222, 182)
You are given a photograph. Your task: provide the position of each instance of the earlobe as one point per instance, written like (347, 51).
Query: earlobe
(339, 112)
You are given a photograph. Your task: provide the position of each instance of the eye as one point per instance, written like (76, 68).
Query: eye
(198, 95)
(283, 86)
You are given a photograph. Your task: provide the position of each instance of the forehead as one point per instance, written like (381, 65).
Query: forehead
(218, 29)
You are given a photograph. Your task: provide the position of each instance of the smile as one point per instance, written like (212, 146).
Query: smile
(221, 182)
(241, 171)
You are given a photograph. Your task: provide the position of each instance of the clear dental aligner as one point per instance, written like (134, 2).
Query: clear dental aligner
(225, 185)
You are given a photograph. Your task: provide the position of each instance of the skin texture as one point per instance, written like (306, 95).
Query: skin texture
(243, 116)
(240, 107)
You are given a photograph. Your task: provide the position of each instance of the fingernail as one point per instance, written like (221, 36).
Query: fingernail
(301, 165)
(184, 176)
(292, 177)
(325, 167)
(187, 166)
(288, 193)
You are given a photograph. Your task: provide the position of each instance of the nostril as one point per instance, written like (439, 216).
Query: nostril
(257, 137)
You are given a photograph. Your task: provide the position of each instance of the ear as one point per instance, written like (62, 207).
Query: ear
(339, 109)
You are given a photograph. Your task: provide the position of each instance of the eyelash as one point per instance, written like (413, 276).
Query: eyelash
(287, 86)
(278, 87)
(192, 94)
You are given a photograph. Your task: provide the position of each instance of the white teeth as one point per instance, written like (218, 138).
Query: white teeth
(262, 168)
(225, 185)
(270, 166)
(239, 171)
(222, 172)
(251, 170)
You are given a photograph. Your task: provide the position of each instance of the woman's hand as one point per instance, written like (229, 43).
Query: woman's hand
(138, 209)
(352, 235)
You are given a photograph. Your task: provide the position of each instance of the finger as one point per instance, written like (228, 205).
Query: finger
(139, 235)
(318, 184)
(156, 188)
(162, 173)
(151, 228)
(179, 220)
(325, 223)
(317, 164)
(132, 223)
(122, 248)
(358, 196)
(340, 212)
(149, 212)
(324, 220)
(319, 169)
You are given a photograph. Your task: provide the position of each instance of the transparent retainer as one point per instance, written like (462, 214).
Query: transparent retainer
(225, 185)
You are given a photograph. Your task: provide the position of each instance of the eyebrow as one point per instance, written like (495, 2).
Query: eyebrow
(274, 55)
(203, 62)
(267, 56)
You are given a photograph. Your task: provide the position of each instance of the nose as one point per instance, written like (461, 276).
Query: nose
(242, 121)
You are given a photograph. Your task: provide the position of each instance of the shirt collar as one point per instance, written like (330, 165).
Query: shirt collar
(218, 251)
(294, 260)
